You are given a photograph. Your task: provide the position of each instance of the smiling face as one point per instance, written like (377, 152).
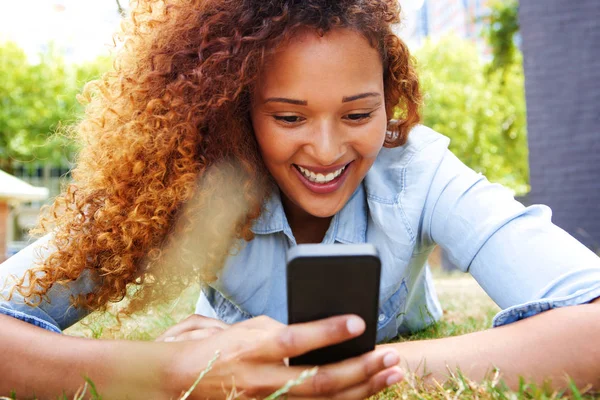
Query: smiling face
(318, 114)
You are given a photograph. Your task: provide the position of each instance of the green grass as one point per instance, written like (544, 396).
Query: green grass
(466, 309)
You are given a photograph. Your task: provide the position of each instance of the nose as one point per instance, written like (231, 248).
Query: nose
(327, 144)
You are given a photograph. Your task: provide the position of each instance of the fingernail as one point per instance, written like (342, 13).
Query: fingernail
(170, 339)
(355, 325)
(393, 379)
(391, 359)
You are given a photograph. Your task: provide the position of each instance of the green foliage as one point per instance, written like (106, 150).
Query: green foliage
(500, 33)
(36, 101)
(481, 111)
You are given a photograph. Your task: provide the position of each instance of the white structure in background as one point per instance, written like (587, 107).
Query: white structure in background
(82, 30)
(409, 28)
(13, 192)
(437, 18)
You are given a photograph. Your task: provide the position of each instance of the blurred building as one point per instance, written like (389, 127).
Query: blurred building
(437, 18)
(561, 59)
(25, 214)
(14, 192)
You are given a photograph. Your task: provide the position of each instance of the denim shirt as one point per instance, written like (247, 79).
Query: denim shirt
(57, 313)
(413, 197)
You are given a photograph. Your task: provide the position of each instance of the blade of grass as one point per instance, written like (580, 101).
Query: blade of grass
(574, 390)
(79, 396)
(309, 373)
(93, 391)
(202, 374)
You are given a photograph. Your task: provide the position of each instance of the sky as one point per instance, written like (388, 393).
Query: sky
(81, 28)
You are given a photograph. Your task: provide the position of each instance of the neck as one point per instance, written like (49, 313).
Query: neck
(306, 227)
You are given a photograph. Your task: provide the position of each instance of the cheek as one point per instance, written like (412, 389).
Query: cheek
(371, 142)
(274, 147)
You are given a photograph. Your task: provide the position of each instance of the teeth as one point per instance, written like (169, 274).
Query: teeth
(320, 178)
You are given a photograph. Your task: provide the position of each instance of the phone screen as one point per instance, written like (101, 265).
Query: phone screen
(336, 280)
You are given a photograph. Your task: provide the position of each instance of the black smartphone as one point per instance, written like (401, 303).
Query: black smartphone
(328, 280)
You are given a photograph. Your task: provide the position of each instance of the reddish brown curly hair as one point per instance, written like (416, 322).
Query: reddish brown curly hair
(176, 103)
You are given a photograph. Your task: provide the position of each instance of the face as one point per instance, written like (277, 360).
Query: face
(318, 114)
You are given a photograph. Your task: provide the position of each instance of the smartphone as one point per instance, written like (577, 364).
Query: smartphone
(329, 280)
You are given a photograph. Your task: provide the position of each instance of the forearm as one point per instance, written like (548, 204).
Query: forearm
(46, 364)
(546, 346)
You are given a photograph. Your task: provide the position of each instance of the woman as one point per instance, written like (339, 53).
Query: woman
(303, 94)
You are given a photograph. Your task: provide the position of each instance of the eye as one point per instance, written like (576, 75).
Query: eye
(288, 119)
(358, 117)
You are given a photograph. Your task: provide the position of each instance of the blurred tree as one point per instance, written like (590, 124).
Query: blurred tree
(36, 101)
(500, 31)
(91, 70)
(483, 116)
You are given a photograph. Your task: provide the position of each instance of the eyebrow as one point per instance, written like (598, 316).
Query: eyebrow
(296, 102)
(360, 96)
(288, 101)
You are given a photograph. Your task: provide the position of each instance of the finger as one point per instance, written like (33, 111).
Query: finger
(375, 385)
(329, 380)
(193, 322)
(194, 335)
(347, 374)
(297, 339)
(261, 322)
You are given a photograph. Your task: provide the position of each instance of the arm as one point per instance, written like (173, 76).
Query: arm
(46, 364)
(43, 362)
(538, 274)
(546, 346)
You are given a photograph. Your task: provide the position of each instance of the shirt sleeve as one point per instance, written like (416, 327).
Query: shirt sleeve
(54, 314)
(524, 262)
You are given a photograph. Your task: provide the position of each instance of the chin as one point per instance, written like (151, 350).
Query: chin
(323, 212)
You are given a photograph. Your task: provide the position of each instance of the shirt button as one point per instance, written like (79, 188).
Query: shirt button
(381, 317)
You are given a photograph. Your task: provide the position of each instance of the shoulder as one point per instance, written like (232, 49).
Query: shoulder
(419, 139)
(414, 163)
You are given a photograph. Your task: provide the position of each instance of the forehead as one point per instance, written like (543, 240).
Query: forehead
(341, 60)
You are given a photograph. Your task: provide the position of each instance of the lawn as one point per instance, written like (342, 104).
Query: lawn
(466, 309)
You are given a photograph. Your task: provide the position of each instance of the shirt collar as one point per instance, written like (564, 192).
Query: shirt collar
(272, 217)
(349, 225)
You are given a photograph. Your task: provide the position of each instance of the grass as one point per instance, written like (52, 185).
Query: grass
(466, 309)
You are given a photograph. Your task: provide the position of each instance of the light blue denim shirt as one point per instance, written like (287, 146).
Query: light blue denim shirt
(412, 198)
(57, 313)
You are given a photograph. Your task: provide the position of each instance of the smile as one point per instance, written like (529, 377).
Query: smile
(323, 180)
(319, 177)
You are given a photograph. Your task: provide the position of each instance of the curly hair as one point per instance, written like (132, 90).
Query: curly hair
(175, 103)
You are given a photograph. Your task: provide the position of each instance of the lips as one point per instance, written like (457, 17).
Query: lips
(323, 170)
(323, 180)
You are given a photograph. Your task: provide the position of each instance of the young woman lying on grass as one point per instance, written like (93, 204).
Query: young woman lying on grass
(304, 96)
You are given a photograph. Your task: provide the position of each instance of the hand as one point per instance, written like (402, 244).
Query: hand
(252, 354)
(194, 327)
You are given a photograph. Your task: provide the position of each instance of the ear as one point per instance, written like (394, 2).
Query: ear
(392, 136)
